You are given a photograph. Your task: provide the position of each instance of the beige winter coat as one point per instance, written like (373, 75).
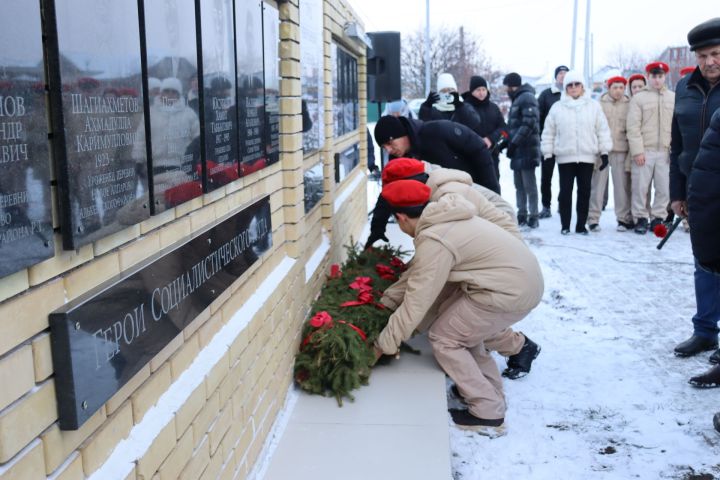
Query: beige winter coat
(649, 120)
(616, 114)
(490, 206)
(452, 244)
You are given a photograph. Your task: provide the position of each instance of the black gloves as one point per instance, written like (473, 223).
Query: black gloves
(456, 99)
(374, 237)
(511, 150)
(432, 99)
(604, 159)
(373, 168)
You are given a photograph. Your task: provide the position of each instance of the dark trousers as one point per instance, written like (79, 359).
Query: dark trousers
(707, 296)
(569, 173)
(546, 174)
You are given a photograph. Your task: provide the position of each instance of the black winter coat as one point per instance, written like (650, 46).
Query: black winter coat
(695, 103)
(449, 145)
(465, 115)
(546, 100)
(491, 119)
(524, 129)
(704, 198)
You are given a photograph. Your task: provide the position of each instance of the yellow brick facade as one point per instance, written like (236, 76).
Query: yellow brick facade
(220, 428)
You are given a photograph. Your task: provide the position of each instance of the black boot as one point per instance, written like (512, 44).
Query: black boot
(533, 222)
(694, 345)
(641, 227)
(715, 357)
(522, 220)
(518, 365)
(709, 379)
(545, 213)
(467, 421)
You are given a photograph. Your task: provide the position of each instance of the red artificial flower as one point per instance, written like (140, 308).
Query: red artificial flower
(363, 298)
(397, 263)
(385, 272)
(321, 319)
(302, 375)
(361, 283)
(660, 230)
(335, 271)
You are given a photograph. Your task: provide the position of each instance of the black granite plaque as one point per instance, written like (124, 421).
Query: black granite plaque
(346, 111)
(26, 235)
(219, 106)
(312, 74)
(251, 85)
(313, 182)
(271, 63)
(96, 100)
(345, 161)
(103, 338)
(172, 103)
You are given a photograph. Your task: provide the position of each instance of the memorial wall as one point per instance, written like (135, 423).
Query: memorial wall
(174, 188)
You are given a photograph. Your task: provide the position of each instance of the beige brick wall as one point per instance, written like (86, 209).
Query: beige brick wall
(220, 429)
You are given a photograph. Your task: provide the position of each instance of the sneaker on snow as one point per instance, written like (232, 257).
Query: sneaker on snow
(625, 226)
(594, 227)
(565, 231)
(709, 379)
(641, 227)
(581, 231)
(654, 223)
(465, 420)
(518, 365)
(545, 213)
(694, 345)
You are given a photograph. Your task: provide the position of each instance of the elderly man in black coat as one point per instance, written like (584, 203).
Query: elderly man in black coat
(442, 142)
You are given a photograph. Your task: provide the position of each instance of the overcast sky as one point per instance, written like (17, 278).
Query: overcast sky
(533, 36)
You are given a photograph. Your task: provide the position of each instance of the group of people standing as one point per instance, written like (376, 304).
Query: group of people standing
(645, 137)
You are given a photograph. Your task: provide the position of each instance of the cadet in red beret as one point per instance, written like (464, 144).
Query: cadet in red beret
(657, 67)
(404, 169)
(636, 83)
(616, 79)
(469, 281)
(686, 70)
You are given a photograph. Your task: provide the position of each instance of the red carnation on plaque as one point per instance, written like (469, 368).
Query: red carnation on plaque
(660, 230)
(385, 272)
(321, 319)
(335, 271)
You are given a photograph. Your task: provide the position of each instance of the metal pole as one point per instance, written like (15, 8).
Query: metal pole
(588, 74)
(574, 36)
(427, 47)
(592, 60)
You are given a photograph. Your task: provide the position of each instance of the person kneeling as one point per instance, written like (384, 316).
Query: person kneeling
(468, 281)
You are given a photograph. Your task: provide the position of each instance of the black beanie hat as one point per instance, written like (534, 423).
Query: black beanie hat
(561, 68)
(512, 80)
(477, 81)
(389, 128)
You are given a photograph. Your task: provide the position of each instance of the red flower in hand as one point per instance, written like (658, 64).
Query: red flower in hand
(335, 271)
(321, 319)
(660, 230)
(361, 283)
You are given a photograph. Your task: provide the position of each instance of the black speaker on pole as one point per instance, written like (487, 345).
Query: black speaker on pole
(383, 67)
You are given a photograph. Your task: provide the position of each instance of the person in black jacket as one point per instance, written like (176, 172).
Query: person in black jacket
(546, 100)
(447, 104)
(697, 97)
(492, 124)
(442, 142)
(524, 147)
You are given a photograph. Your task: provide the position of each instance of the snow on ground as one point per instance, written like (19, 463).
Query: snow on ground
(606, 398)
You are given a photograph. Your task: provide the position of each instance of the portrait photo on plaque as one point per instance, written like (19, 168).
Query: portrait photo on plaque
(219, 107)
(271, 62)
(312, 74)
(250, 86)
(96, 100)
(173, 102)
(26, 233)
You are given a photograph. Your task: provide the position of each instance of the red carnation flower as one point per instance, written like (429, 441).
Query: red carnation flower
(335, 271)
(361, 283)
(397, 263)
(660, 230)
(321, 319)
(384, 269)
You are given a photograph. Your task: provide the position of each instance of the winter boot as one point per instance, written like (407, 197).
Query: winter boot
(518, 365)
(533, 222)
(465, 420)
(625, 226)
(565, 231)
(654, 223)
(641, 227)
(594, 227)
(694, 345)
(709, 379)
(545, 213)
(522, 220)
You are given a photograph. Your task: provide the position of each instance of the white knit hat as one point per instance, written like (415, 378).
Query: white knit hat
(172, 83)
(446, 80)
(572, 76)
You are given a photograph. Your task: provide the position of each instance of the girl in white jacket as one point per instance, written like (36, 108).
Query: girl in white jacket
(576, 132)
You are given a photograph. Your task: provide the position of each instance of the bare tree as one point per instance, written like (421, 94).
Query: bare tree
(628, 61)
(453, 51)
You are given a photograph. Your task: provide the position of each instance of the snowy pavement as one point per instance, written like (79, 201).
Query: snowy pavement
(606, 398)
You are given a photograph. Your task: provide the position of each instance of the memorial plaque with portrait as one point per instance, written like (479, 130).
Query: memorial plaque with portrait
(313, 183)
(96, 100)
(346, 161)
(250, 85)
(312, 74)
(172, 103)
(26, 235)
(271, 62)
(218, 84)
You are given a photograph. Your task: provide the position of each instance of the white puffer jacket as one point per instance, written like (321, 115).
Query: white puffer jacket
(576, 131)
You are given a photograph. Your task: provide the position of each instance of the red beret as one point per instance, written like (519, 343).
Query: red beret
(653, 65)
(685, 70)
(406, 193)
(616, 79)
(401, 168)
(637, 76)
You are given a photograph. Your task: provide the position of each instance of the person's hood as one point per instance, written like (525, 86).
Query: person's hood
(450, 208)
(437, 179)
(606, 98)
(522, 89)
(471, 100)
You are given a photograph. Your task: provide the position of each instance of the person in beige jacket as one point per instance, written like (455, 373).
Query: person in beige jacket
(496, 282)
(615, 106)
(649, 123)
